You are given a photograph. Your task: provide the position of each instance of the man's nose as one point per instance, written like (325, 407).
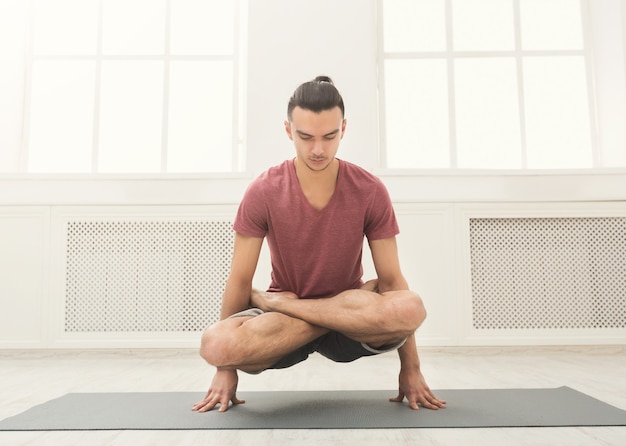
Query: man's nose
(318, 148)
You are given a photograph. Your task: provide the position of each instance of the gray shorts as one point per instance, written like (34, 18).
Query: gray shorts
(333, 345)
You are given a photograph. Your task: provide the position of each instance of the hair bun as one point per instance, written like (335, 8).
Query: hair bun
(317, 95)
(324, 79)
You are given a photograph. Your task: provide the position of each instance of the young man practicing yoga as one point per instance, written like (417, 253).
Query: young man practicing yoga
(315, 210)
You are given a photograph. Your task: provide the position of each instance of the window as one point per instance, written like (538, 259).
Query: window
(486, 84)
(132, 86)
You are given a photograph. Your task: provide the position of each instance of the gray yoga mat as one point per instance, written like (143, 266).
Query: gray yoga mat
(318, 410)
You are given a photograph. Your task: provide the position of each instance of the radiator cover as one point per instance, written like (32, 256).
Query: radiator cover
(548, 273)
(145, 276)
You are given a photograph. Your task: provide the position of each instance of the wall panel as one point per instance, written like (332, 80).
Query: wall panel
(24, 271)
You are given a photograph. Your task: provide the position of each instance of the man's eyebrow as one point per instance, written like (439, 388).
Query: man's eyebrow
(333, 133)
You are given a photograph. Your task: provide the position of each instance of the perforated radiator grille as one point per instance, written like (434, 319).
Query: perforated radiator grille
(548, 273)
(145, 276)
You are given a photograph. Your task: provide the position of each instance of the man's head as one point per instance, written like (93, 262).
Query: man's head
(316, 123)
(317, 95)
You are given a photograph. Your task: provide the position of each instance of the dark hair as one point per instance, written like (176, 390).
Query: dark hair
(317, 95)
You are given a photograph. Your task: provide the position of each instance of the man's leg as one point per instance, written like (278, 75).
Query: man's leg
(252, 344)
(362, 315)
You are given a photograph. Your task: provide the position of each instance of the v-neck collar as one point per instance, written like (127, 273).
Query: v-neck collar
(301, 191)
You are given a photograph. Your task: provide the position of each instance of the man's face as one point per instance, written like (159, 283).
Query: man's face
(316, 136)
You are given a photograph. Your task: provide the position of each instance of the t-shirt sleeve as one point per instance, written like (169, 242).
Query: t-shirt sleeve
(381, 219)
(251, 218)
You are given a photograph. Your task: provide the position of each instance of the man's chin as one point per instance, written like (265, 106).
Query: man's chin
(318, 166)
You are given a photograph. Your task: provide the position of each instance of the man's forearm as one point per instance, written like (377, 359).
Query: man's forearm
(236, 298)
(409, 358)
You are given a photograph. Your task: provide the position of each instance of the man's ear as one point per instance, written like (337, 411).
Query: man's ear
(288, 129)
(343, 127)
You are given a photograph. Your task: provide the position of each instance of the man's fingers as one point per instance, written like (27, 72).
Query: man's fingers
(234, 400)
(211, 401)
(427, 404)
(223, 407)
(397, 399)
(428, 401)
(434, 403)
(412, 403)
(205, 405)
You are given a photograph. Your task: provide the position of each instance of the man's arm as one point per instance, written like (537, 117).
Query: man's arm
(236, 298)
(412, 384)
(238, 288)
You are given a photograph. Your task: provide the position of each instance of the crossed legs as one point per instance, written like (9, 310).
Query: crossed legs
(255, 343)
(252, 344)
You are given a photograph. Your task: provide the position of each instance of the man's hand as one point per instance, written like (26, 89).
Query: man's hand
(412, 385)
(222, 391)
(267, 301)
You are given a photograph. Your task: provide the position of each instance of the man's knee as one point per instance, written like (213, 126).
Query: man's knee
(419, 310)
(408, 309)
(217, 345)
(210, 347)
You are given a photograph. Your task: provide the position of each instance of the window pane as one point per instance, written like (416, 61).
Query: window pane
(200, 117)
(487, 114)
(416, 111)
(131, 112)
(551, 25)
(13, 15)
(410, 25)
(12, 94)
(483, 25)
(61, 118)
(63, 27)
(201, 27)
(557, 113)
(13, 18)
(133, 27)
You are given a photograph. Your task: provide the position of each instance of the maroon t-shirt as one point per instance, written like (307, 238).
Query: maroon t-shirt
(316, 253)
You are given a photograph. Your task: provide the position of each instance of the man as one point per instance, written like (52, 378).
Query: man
(315, 211)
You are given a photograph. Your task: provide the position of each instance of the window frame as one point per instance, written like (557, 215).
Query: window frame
(237, 58)
(450, 55)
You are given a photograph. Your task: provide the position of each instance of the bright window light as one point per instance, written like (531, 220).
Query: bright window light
(551, 25)
(487, 114)
(491, 84)
(62, 116)
(198, 27)
(557, 113)
(65, 27)
(476, 30)
(414, 25)
(131, 117)
(417, 123)
(200, 117)
(133, 27)
(122, 86)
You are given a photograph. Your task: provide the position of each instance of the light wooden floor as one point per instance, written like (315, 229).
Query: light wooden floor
(32, 377)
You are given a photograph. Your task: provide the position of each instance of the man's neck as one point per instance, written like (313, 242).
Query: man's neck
(317, 178)
(317, 186)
